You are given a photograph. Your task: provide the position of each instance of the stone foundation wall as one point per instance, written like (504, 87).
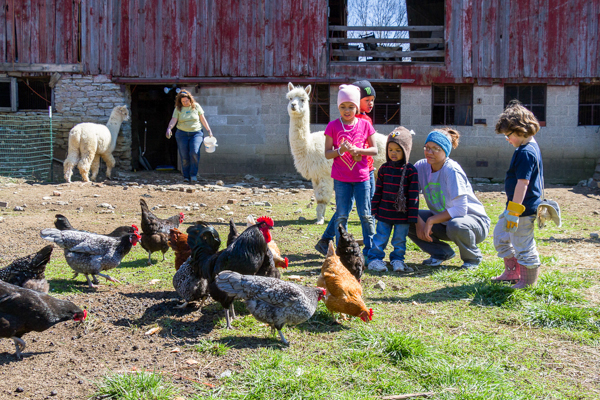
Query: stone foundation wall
(80, 98)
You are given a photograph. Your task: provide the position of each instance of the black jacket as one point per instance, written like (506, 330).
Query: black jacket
(386, 191)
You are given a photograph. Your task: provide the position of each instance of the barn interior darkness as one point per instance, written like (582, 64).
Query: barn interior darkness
(151, 110)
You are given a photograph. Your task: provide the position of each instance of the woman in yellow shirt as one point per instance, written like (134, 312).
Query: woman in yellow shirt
(188, 115)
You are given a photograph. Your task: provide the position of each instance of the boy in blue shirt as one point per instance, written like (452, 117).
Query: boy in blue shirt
(514, 233)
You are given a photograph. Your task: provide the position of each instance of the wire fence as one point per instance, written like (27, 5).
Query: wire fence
(26, 146)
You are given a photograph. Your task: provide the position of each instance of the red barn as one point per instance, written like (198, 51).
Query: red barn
(453, 62)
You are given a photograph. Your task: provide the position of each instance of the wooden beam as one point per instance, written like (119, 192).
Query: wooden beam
(402, 40)
(427, 28)
(388, 54)
(26, 67)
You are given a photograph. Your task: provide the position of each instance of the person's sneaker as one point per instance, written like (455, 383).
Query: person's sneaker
(434, 262)
(400, 266)
(322, 246)
(194, 179)
(469, 265)
(377, 265)
(186, 179)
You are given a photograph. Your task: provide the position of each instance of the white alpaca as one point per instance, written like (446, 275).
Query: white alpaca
(88, 142)
(308, 149)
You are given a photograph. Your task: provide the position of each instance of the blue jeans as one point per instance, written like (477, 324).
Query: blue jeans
(330, 231)
(188, 144)
(344, 193)
(380, 241)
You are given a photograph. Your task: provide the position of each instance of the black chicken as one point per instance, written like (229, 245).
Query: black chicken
(350, 253)
(28, 271)
(271, 300)
(188, 281)
(233, 232)
(155, 231)
(248, 254)
(24, 310)
(63, 224)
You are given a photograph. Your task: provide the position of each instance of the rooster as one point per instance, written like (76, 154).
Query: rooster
(28, 271)
(344, 293)
(155, 231)
(203, 242)
(350, 253)
(178, 242)
(89, 253)
(63, 224)
(24, 310)
(270, 300)
(247, 255)
(280, 262)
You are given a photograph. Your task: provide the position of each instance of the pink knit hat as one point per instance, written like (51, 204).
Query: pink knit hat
(349, 93)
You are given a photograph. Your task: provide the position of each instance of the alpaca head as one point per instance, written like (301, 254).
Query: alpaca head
(298, 101)
(121, 112)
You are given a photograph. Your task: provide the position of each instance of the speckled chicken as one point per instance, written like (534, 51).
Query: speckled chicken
(89, 253)
(204, 242)
(28, 271)
(350, 253)
(248, 255)
(63, 224)
(24, 310)
(155, 231)
(270, 300)
(344, 293)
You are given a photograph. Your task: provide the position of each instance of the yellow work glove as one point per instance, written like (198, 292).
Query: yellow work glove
(511, 215)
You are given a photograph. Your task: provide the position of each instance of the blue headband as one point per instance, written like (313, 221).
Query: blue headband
(441, 140)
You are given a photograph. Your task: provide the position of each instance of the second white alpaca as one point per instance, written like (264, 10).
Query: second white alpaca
(88, 142)
(308, 149)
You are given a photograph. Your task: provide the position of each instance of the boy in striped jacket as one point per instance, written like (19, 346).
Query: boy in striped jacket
(395, 204)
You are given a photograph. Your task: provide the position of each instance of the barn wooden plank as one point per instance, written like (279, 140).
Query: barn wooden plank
(193, 28)
(454, 53)
(19, 10)
(539, 40)
(40, 67)
(476, 38)
(39, 36)
(124, 39)
(283, 40)
(251, 59)
(170, 40)
(240, 57)
(270, 25)
(593, 69)
(202, 40)
(179, 55)
(573, 15)
(217, 35)
(59, 24)
(467, 31)
(134, 35)
(3, 36)
(11, 44)
(66, 49)
(582, 40)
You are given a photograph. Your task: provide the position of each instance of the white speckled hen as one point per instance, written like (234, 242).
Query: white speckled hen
(271, 300)
(28, 271)
(23, 310)
(89, 253)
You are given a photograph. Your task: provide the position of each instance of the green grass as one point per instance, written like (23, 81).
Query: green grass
(135, 386)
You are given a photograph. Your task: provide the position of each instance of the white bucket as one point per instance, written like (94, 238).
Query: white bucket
(210, 144)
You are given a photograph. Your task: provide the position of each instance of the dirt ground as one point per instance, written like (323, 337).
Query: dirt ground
(65, 361)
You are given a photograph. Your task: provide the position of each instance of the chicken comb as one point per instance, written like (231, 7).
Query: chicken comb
(135, 228)
(370, 314)
(286, 262)
(181, 217)
(267, 220)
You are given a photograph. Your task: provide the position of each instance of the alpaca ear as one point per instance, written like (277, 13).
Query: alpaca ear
(290, 86)
(307, 89)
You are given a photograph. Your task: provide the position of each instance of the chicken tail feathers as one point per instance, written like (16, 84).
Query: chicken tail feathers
(53, 235)
(232, 283)
(41, 258)
(62, 223)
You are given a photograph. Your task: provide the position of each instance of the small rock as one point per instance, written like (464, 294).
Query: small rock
(230, 213)
(46, 198)
(226, 374)
(175, 350)
(380, 285)
(220, 220)
(1, 219)
(301, 219)
(295, 190)
(106, 205)
(18, 208)
(190, 190)
(226, 208)
(209, 375)
(19, 390)
(259, 203)
(96, 195)
(298, 211)
(62, 203)
(594, 235)
(191, 361)
(595, 212)
(3, 204)
(267, 204)
(296, 278)
(53, 393)
(220, 183)
(232, 201)
(56, 193)
(202, 205)
(250, 178)
(310, 205)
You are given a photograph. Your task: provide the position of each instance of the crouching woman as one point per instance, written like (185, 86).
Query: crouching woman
(455, 214)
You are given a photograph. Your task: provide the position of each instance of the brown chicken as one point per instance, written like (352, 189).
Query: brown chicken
(155, 231)
(344, 293)
(178, 242)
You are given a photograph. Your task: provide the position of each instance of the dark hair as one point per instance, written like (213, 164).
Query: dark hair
(452, 134)
(517, 119)
(181, 95)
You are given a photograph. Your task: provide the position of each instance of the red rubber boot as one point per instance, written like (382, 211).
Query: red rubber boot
(512, 271)
(528, 277)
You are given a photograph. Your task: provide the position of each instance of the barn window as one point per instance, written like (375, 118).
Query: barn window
(452, 105)
(24, 94)
(589, 104)
(387, 104)
(533, 97)
(319, 104)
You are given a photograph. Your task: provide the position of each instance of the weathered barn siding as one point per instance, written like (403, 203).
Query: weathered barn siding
(39, 31)
(200, 38)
